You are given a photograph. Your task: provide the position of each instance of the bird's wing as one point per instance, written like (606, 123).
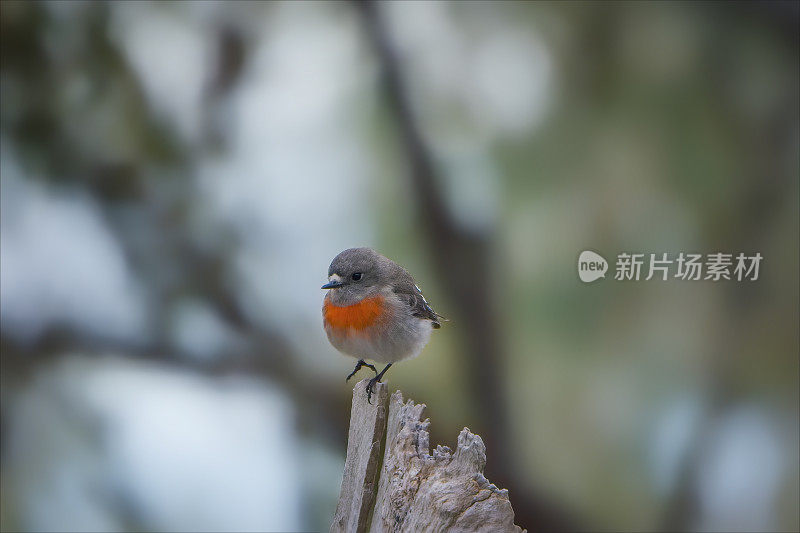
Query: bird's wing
(408, 291)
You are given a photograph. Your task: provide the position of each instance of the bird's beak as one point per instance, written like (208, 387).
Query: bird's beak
(332, 285)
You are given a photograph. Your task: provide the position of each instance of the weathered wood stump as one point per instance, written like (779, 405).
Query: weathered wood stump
(391, 482)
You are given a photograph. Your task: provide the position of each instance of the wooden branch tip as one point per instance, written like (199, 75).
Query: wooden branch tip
(392, 482)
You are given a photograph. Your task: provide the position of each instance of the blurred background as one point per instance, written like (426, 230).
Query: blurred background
(176, 178)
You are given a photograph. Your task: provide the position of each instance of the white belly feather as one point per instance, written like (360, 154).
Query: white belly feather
(396, 340)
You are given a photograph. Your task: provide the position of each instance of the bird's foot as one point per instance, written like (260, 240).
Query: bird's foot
(373, 381)
(358, 367)
(371, 386)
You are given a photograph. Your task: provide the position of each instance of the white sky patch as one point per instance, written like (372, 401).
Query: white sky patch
(497, 79)
(510, 85)
(61, 265)
(197, 330)
(429, 43)
(471, 183)
(171, 54)
(742, 473)
(671, 440)
(183, 452)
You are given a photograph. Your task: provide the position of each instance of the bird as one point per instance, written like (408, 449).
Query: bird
(374, 310)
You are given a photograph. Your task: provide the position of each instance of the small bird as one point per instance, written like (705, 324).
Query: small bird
(374, 310)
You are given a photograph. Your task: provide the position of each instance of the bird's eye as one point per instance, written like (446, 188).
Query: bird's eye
(356, 276)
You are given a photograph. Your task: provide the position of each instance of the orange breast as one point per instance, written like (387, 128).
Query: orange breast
(357, 316)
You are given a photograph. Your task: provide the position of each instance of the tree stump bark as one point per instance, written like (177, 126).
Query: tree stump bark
(391, 482)
(364, 455)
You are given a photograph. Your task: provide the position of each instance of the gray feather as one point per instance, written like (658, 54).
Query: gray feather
(408, 291)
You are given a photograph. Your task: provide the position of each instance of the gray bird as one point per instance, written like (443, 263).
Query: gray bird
(374, 310)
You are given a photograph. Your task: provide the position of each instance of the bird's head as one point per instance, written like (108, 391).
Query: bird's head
(357, 273)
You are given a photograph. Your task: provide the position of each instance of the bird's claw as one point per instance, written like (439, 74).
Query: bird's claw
(370, 387)
(358, 367)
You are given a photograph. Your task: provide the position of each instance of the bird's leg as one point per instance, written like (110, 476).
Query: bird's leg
(373, 381)
(358, 367)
